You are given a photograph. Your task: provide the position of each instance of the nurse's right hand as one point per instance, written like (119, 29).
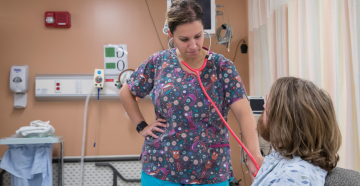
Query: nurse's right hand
(150, 129)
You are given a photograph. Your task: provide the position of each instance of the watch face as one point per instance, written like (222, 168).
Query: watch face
(125, 75)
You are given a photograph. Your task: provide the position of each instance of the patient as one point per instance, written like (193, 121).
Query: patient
(300, 123)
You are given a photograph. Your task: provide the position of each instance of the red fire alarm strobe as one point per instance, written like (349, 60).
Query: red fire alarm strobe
(57, 19)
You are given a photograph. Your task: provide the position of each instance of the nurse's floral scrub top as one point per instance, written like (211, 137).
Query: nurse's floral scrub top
(195, 145)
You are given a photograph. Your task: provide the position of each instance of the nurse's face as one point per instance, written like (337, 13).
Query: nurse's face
(189, 39)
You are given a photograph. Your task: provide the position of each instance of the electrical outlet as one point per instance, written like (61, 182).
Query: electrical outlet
(57, 86)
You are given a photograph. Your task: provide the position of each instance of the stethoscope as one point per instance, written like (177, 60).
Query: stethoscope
(197, 72)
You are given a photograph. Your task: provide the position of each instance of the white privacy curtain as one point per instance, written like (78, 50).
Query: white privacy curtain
(268, 43)
(318, 40)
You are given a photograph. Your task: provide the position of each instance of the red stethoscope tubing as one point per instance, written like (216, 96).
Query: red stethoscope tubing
(197, 72)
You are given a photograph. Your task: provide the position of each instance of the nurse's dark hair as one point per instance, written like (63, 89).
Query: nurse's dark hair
(183, 11)
(302, 122)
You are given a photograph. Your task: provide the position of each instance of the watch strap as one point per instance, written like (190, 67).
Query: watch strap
(141, 126)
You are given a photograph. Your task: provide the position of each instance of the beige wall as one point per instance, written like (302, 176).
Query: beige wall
(24, 40)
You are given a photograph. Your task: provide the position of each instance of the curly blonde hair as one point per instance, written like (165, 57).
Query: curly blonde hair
(302, 122)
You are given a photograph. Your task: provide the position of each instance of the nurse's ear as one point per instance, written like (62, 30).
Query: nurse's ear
(170, 34)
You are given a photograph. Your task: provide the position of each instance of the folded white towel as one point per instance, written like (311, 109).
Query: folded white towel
(37, 127)
(28, 128)
(49, 130)
(39, 123)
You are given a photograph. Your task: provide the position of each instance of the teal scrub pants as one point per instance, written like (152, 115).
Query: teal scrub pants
(147, 180)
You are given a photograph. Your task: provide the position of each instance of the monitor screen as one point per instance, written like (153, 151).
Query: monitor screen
(206, 8)
(257, 104)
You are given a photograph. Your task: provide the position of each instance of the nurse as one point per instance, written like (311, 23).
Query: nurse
(188, 143)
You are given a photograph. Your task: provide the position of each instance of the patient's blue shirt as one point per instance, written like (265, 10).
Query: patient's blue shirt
(277, 170)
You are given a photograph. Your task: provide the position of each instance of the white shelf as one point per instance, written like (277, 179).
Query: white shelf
(18, 140)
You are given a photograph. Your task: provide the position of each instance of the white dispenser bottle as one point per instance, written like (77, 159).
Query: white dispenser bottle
(19, 84)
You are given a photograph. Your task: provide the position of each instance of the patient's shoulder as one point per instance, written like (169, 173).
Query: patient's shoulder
(299, 165)
(277, 170)
(302, 172)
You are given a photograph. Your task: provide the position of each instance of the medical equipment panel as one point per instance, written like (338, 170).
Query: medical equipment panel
(99, 78)
(73, 87)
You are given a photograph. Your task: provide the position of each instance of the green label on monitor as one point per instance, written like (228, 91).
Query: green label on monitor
(110, 52)
(110, 65)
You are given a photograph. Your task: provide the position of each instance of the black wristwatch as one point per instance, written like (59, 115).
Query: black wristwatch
(141, 126)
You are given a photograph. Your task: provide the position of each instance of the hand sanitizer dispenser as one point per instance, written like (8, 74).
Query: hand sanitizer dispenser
(19, 84)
